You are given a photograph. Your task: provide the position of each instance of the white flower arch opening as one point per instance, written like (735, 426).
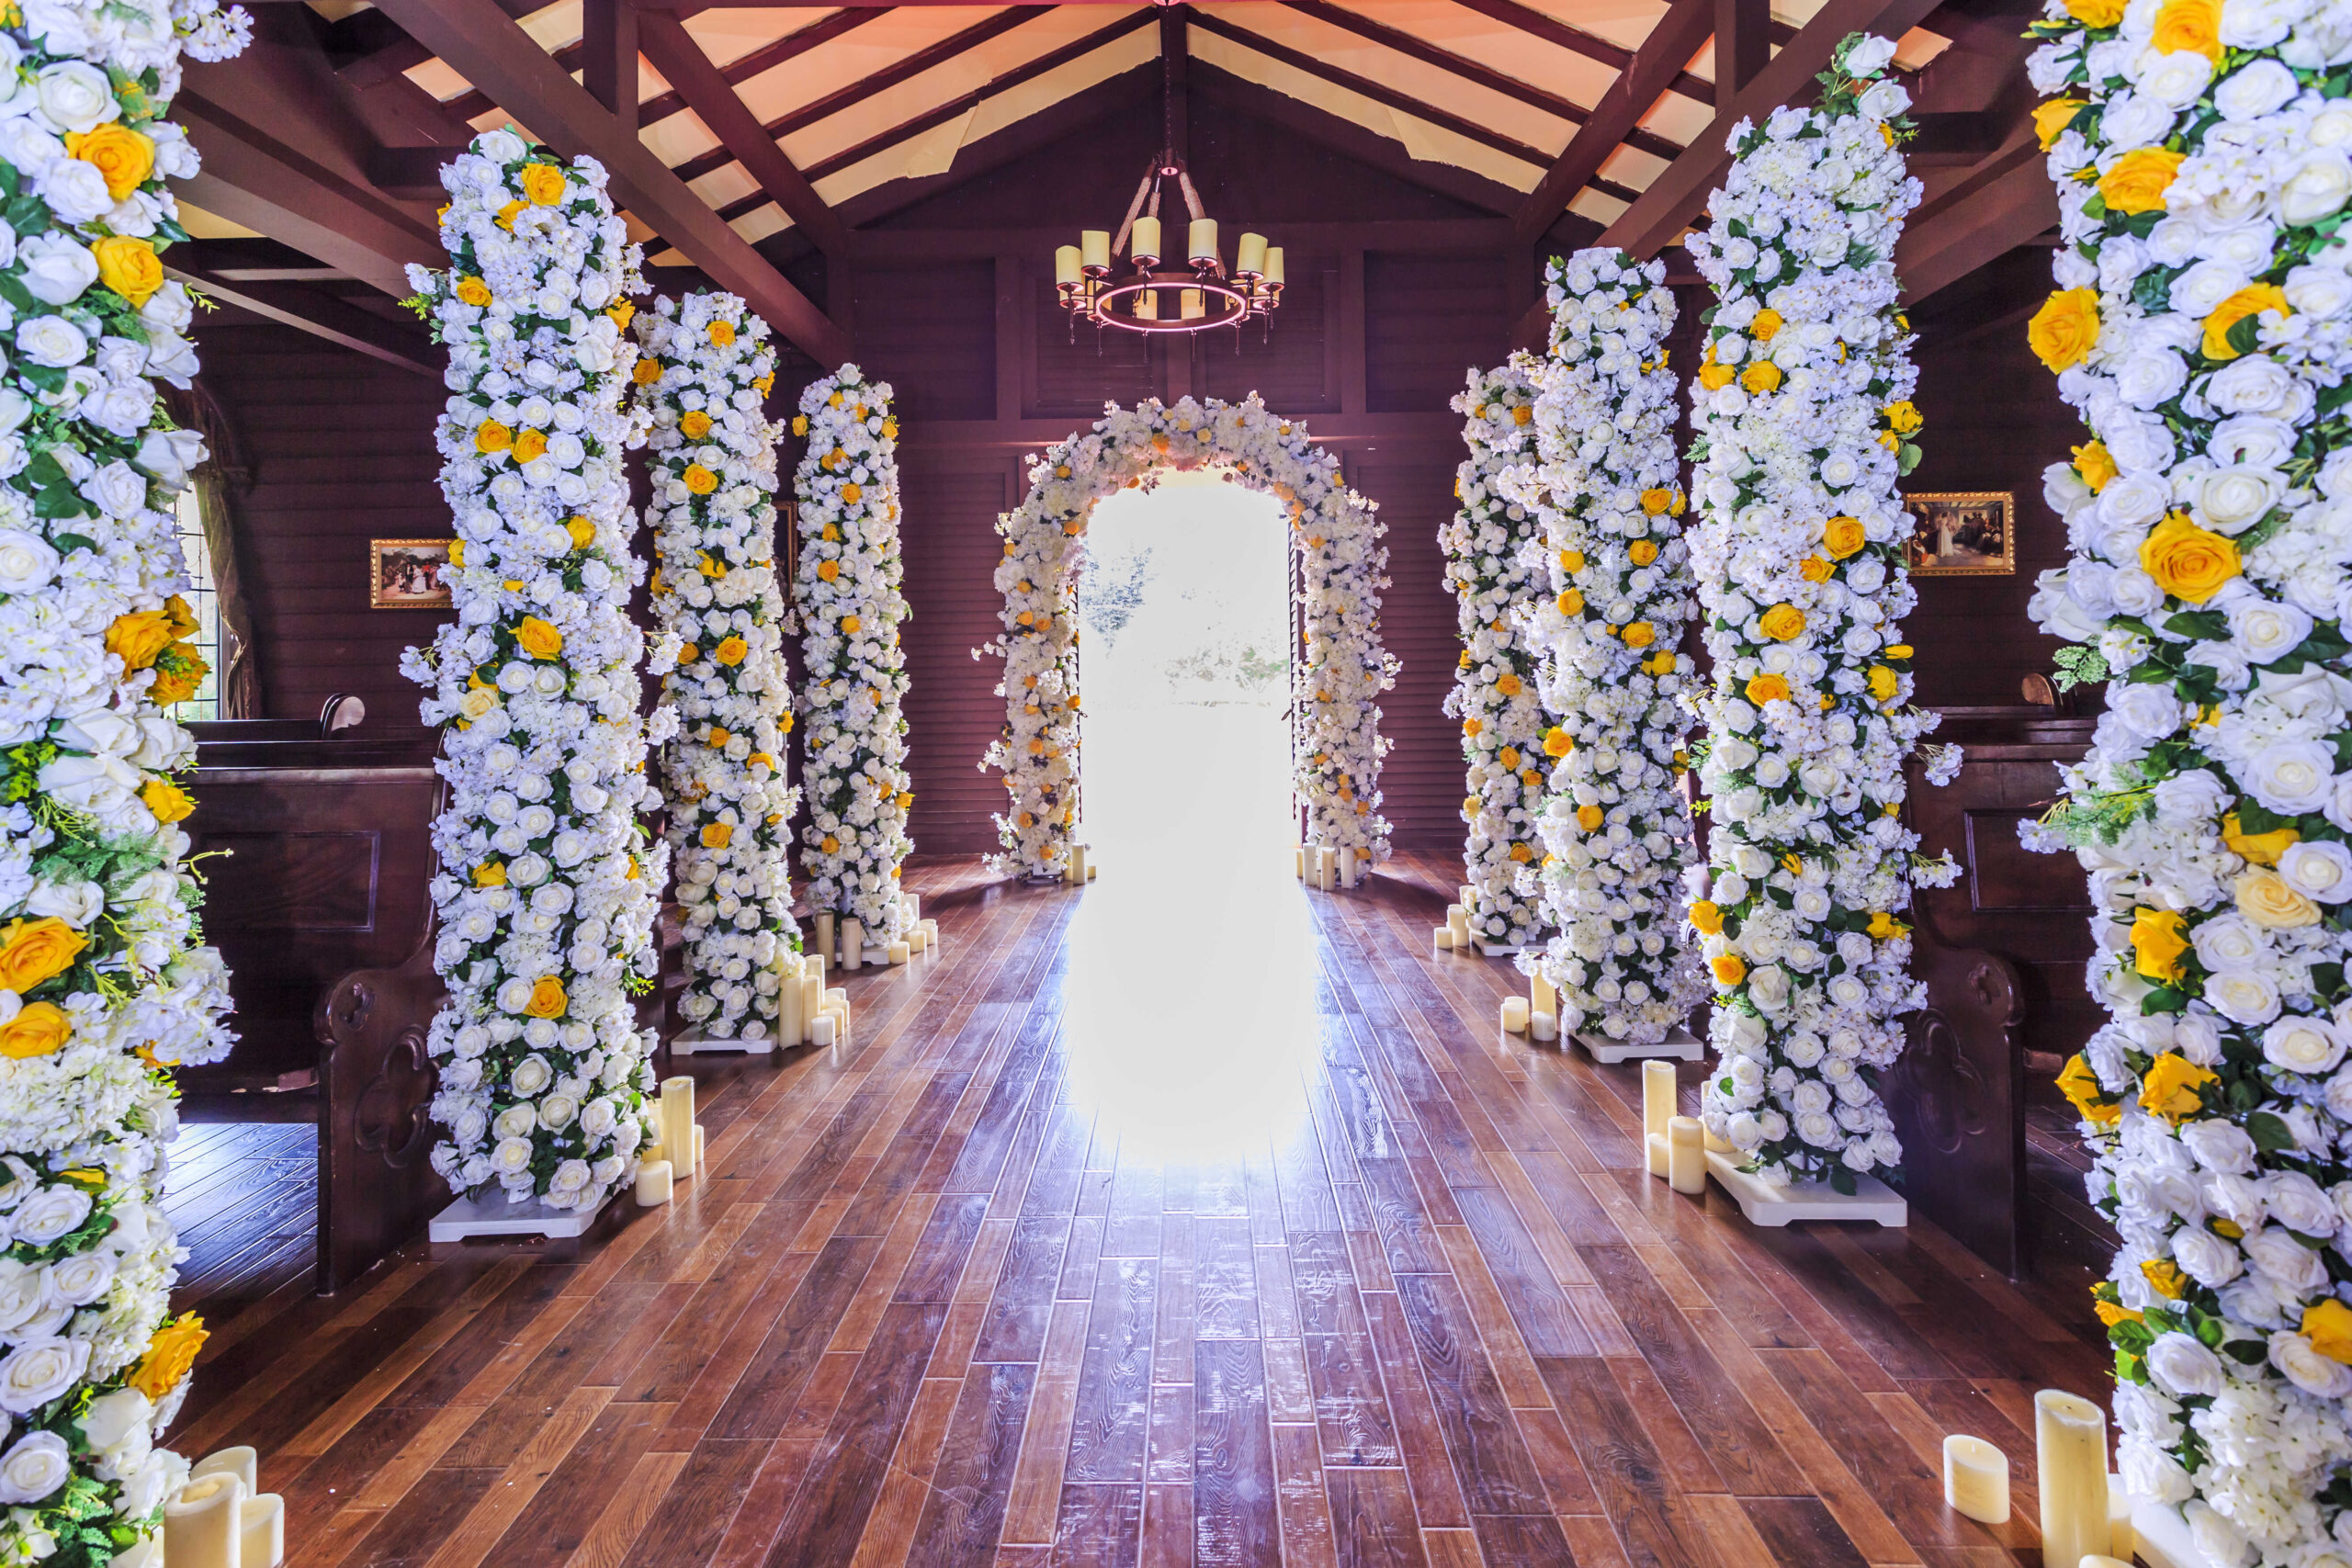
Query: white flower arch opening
(1335, 679)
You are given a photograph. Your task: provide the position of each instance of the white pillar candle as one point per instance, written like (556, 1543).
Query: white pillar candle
(2101, 1560)
(812, 1001)
(1348, 864)
(653, 1183)
(1251, 255)
(791, 1022)
(240, 1461)
(1094, 247)
(1543, 996)
(1298, 861)
(821, 1032)
(837, 997)
(1659, 1104)
(1326, 866)
(825, 934)
(1467, 896)
(1976, 1479)
(1515, 1015)
(852, 944)
(2122, 1541)
(678, 1124)
(899, 952)
(1686, 1155)
(2069, 1453)
(930, 934)
(261, 1527)
(1200, 239)
(1442, 939)
(1457, 920)
(699, 1143)
(1077, 877)
(1093, 869)
(1542, 1025)
(1142, 243)
(202, 1527)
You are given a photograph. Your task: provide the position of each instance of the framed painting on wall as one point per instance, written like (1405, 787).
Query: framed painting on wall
(1962, 534)
(406, 574)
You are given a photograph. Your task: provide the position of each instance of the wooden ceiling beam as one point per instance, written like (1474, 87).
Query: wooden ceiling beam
(1743, 44)
(1469, 69)
(484, 45)
(609, 48)
(321, 315)
(2007, 202)
(767, 57)
(1617, 57)
(1679, 194)
(1679, 35)
(715, 101)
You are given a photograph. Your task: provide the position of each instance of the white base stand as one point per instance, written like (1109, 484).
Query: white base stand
(1680, 1045)
(2164, 1538)
(1494, 949)
(1765, 1204)
(693, 1043)
(494, 1215)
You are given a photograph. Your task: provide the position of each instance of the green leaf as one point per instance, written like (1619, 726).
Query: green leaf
(2244, 333)
(2207, 626)
(2268, 1133)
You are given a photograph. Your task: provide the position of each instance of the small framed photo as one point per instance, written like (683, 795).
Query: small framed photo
(407, 574)
(1962, 534)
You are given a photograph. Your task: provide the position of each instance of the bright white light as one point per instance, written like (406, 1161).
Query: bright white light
(1190, 993)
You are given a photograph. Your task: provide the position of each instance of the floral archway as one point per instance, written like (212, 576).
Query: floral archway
(1340, 570)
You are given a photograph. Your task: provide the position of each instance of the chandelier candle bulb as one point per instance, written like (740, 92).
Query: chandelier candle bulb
(261, 1530)
(1094, 248)
(1686, 1155)
(1657, 1108)
(1976, 1479)
(1066, 263)
(1143, 244)
(1193, 306)
(1274, 265)
(677, 1122)
(654, 1183)
(2070, 1451)
(1201, 241)
(852, 944)
(1147, 305)
(1250, 260)
(1515, 1015)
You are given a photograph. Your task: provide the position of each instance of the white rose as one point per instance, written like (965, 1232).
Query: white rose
(2182, 1366)
(2303, 1046)
(51, 1212)
(512, 1156)
(76, 95)
(1868, 55)
(2318, 868)
(2265, 631)
(2234, 500)
(2207, 1259)
(2252, 91)
(112, 1417)
(51, 341)
(2293, 776)
(28, 562)
(2243, 996)
(38, 1465)
(56, 268)
(531, 1074)
(2319, 186)
(2176, 79)
(1883, 100)
(37, 1370)
(76, 191)
(2323, 292)
(81, 1278)
(2300, 1362)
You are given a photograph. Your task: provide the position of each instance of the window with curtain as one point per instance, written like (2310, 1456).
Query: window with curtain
(203, 597)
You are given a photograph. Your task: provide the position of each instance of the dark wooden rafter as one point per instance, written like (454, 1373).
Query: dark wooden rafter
(309, 310)
(1679, 194)
(1175, 54)
(485, 46)
(608, 49)
(1380, 93)
(1743, 44)
(1679, 35)
(1471, 71)
(2004, 203)
(714, 100)
(368, 47)
(1617, 57)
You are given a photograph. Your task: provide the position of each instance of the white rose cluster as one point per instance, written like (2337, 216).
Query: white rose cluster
(102, 988)
(547, 888)
(1803, 420)
(1495, 693)
(853, 737)
(706, 370)
(1608, 625)
(2202, 326)
(1336, 682)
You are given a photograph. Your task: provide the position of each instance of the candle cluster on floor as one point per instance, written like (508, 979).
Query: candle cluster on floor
(1325, 867)
(221, 1518)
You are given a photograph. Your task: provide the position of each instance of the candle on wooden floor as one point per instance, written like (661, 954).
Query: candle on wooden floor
(653, 1183)
(852, 944)
(241, 1462)
(1326, 866)
(699, 1144)
(1515, 1015)
(2101, 1560)
(1298, 861)
(1077, 866)
(825, 933)
(2122, 1539)
(821, 1030)
(2070, 1455)
(899, 952)
(1347, 865)
(261, 1529)
(1467, 896)
(912, 904)
(1976, 1479)
(791, 1022)
(1442, 939)
(202, 1526)
(678, 1124)
(1686, 1155)
(930, 934)
(1657, 1109)
(1543, 996)
(1542, 1025)
(812, 1000)
(1457, 920)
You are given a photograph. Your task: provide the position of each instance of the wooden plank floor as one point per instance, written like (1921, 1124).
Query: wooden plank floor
(923, 1310)
(245, 1198)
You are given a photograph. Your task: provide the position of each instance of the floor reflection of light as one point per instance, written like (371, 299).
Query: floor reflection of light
(1191, 1021)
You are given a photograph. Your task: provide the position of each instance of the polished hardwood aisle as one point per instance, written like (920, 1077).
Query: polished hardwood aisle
(926, 1308)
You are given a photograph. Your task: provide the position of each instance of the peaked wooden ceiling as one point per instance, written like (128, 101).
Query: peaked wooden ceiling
(738, 133)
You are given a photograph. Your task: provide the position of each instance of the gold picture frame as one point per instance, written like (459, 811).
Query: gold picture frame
(1962, 534)
(405, 574)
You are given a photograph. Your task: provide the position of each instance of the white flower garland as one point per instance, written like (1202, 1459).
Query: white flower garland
(1606, 490)
(853, 743)
(1802, 418)
(707, 367)
(1495, 693)
(2203, 327)
(103, 986)
(546, 893)
(1337, 745)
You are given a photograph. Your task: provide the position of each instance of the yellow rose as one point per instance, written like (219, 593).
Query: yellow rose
(537, 639)
(1714, 377)
(1524, 415)
(2262, 849)
(547, 999)
(492, 436)
(124, 156)
(2265, 898)
(1841, 537)
(2065, 328)
(2164, 1278)
(1558, 742)
(35, 950)
(2093, 462)
(1523, 853)
(730, 651)
(2096, 13)
(1507, 683)
(1570, 602)
(1640, 634)
(1641, 552)
(1768, 688)
(693, 425)
(647, 371)
(1761, 377)
(1782, 622)
(169, 1356)
(508, 213)
(2171, 1089)
(1706, 918)
(1658, 499)
(1904, 417)
(2137, 180)
(1883, 683)
(2187, 561)
(139, 637)
(543, 183)
(581, 531)
(2054, 117)
(2251, 300)
(716, 835)
(1765, 326)
(1813, 569)
(456, 552)
(2192, 25)
(1729, 967)
(800, 427)
(489, 873)
(1589, 817)
(2158, 939)
(2328, 1324)
(622, 314)
(722, 334)
(850, 624)
(833, 846)
(1885, 927)
(2111, 1313)
(530, 444)
(40, 1029)
(1471, 725)
(851, 495)
(699, 479)
(473, 291)
(166, 800)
